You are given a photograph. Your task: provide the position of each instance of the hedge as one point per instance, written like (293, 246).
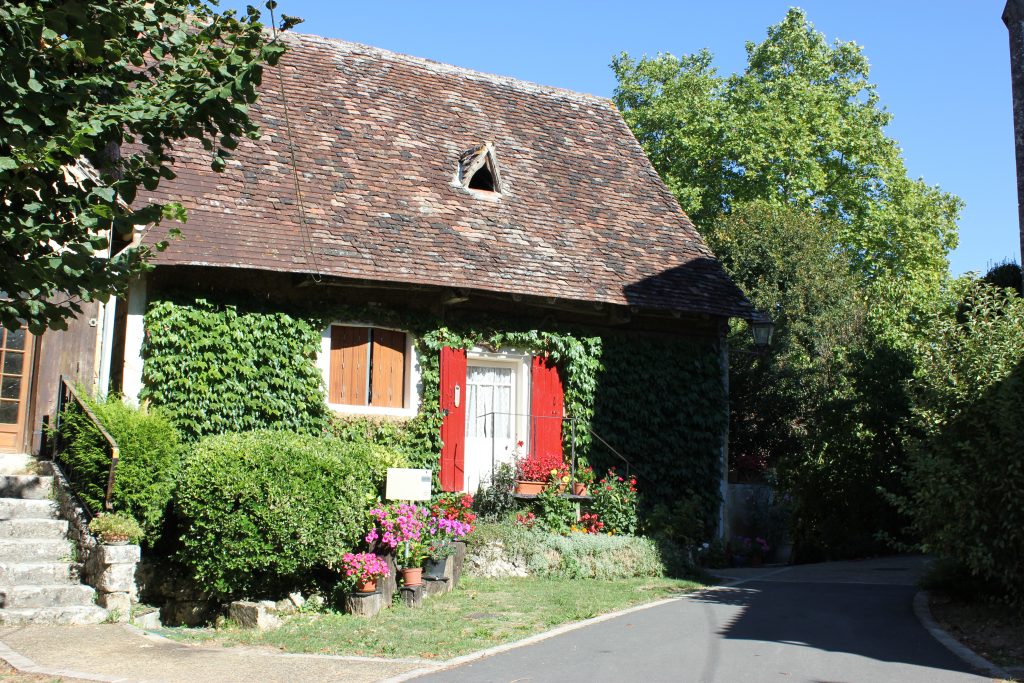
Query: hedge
(263, 513)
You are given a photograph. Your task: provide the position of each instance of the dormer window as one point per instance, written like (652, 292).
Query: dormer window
(478, 169)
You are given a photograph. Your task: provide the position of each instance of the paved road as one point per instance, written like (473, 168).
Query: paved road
(832, 623)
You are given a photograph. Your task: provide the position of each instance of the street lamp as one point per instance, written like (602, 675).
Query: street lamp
(762, 327)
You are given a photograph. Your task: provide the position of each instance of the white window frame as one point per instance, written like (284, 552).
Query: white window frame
(413, 382)
(521, 364)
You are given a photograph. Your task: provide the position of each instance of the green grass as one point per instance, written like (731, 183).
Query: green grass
(480, 613)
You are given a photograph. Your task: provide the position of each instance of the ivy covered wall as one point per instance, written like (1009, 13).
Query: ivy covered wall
(661, 402)
(658, 399)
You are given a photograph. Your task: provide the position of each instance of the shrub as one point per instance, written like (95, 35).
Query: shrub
(615, 503)
(266, 512)
(576, 556)
(150, 460)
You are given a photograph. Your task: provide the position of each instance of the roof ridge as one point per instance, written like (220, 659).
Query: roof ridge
(349, 47)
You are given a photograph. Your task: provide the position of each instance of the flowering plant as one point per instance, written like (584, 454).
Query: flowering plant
(454, 506)
(527, 520)
(401, 527)
(443, 532)
(363, 567)
(588, 524)
(615, 502)
(540, 467)
(585, 475)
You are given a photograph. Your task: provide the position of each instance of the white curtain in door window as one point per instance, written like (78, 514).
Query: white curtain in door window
(488, 389)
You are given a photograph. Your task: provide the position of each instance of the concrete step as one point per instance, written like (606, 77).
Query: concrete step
(53, 615)
(16, 463)
(70, 595)
(15, 550)
(26, 486)
(37, 529)
(39, 573)
(11, 508)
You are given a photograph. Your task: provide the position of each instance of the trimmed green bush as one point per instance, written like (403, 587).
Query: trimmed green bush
(264, 512)
(576, 556)
(148, 467)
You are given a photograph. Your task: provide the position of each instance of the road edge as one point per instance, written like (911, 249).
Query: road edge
(924, 615)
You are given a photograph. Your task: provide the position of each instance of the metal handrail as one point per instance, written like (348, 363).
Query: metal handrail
(572, 465)
(65, 394)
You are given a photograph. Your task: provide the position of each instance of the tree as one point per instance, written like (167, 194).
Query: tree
(802, 125)
(789, 175)
(94, 93)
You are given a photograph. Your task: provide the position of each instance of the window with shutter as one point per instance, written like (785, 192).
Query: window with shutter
(367, 367)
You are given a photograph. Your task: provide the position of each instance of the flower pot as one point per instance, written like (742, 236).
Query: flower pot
(114, 540)
(579, 489)
(412, 576)
(433, 570)
(368, 586)
(529, 488)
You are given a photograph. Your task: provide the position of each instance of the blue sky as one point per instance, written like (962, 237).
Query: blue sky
(941, 66)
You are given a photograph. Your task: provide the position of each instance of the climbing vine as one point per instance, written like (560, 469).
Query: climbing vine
(658, 400)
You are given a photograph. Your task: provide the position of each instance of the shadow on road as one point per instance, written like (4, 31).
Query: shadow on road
(873, 621)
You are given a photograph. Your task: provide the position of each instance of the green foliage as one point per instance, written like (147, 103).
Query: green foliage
(801, 125)
(111, 527)
(965, 479)
(614, 502)
(1005, 274)
(263, 512)
(148, 467)
(78, 82)
(966, 485)
(576, 556)
(557, 513)
(217, 368)
(401, 437)
(495, 503)
(661, 403)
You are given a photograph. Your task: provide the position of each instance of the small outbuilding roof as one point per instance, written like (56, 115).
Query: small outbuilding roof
(380, 141)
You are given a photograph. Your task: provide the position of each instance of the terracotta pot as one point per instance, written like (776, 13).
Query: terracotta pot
(412, 576)
(579, 489)
(529, 488)
(369, 586)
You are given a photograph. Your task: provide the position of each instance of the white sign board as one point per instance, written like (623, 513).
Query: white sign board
(407, 484)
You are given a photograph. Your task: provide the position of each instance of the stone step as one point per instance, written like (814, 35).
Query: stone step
(37, 529)
(25, 486)
(70, 595)
(39, 573)
(11, 508)
(90, 614)
(16, 463)
(15, 550)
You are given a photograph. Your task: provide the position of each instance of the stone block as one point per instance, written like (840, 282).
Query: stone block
(119, 603)
(149, 621)
(437, 586)
(297, 600)
(364, 605)
(285, 606)
(116, 578)
(252, 615)
(117, 554)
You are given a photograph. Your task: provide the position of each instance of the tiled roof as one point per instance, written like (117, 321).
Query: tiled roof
(582, 215)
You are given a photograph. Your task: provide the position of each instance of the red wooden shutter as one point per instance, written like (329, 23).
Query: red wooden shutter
(453, 428)
(350, 351)
(388, 374)
(547, 402)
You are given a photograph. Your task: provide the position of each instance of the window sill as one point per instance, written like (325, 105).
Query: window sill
(371, 410)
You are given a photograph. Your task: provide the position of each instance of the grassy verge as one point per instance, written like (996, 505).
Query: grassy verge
(481, 613)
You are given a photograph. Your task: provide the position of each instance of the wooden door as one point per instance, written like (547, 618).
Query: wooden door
(453, 428)
(15, 373)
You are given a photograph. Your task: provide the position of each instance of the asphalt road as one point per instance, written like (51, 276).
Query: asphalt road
(829, 623)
